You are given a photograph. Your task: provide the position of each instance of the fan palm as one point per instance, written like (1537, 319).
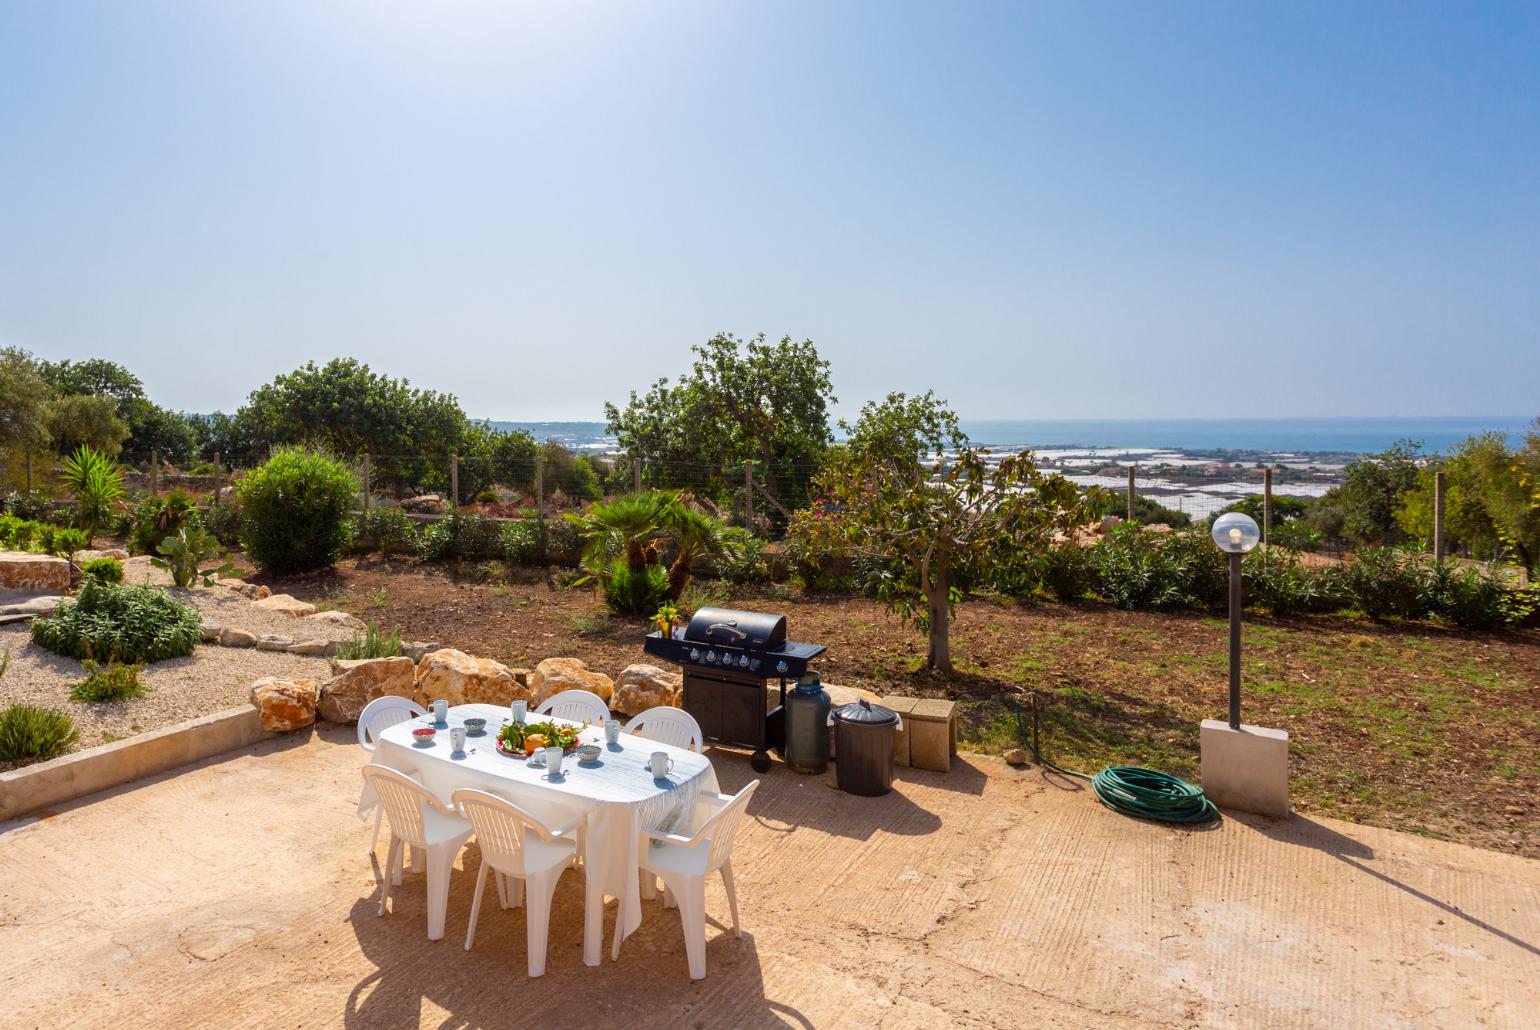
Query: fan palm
(696, 535)
(631, 525)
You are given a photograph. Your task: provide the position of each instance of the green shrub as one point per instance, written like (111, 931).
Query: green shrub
(155, 518)
(371, 644)
(392, 530)
(28, 732)
(628, 592)
(104, 570)
(64, 541)
(1135, 570)
(742, 557)
(1280, 584)
(131, 623)
(563, 542)
(296, 511)
(460, 537)
(1387, 581)
(1469, 597)
(1068, 572)
(29, 506)
(222, 521)
(523, 542)
(111, 682)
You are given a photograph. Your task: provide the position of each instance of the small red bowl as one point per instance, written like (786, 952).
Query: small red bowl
(424, 734)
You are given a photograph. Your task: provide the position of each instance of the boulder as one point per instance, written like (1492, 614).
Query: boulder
(42, 604)
(273, 642)
(35, 573)
(362, 680)
(236, 638)
(337, 619)
(461, 679)
(641, 686)
(424, 504)
(211, 632)
(554, 675)
(1016, 756)
(284, 604)
(284, 705)
(252, 591)
(415, 649)
(318, 648)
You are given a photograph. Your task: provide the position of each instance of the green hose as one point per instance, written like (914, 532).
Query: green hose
(1141, 793)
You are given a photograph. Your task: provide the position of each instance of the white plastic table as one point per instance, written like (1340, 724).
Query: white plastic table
(617, 798)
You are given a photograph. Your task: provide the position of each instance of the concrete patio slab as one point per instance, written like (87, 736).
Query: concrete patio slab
(238, 893)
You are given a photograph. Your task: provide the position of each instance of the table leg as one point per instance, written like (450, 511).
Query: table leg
(440, 860)
(593, 924)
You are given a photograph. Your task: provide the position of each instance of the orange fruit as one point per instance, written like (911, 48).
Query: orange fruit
(533, 743)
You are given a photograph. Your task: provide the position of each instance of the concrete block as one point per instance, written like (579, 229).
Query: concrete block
(904, 706)
(931, 732)
(1246, 769)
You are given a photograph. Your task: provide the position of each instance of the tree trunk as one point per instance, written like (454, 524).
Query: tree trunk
(938, 613)
(679, 576)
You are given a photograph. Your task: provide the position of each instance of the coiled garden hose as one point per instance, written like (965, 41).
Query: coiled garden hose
(1129, 789)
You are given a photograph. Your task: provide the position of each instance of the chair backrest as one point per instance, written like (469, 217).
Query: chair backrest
(722, 827)
(381, 714)
(501, 827)
(673, 726)
(576, 705)
(403, 798)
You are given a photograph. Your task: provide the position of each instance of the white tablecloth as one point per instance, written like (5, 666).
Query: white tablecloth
(618, 798)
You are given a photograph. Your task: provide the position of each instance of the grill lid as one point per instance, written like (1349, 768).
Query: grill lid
(752, 631)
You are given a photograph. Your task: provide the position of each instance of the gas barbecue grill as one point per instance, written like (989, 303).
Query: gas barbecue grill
(729, 658)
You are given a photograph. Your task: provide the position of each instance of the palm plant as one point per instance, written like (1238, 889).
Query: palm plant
(631, 525)
(695, 535)
(97, 483)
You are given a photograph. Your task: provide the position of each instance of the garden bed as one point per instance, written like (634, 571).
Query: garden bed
(1414, 726)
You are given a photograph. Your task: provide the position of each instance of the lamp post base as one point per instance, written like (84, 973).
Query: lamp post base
(1246, 769)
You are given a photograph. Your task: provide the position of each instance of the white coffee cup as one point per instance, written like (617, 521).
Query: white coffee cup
(457, 738)
(518, 710)
(441, 711)
(660, 764)
(612, 731)
(553, 761)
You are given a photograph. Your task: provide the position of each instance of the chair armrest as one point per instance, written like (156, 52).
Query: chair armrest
(668, 838)
(566, 828)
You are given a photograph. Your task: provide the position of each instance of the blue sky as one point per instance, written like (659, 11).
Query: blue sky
(1039, 210)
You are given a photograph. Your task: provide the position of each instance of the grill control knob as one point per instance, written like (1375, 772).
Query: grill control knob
(780, 667)
(694, 654)
(711, 656)
(727, 659)
(754, 665)
(743, 661)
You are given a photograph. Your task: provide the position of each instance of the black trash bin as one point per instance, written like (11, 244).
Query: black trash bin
(863, 739)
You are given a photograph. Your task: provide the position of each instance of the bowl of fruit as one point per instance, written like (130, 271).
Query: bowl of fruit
(520, 741)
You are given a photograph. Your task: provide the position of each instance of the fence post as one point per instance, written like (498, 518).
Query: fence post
(1439, 547)
(216, 463)
(1267, 505)
(367, 477)
(454, 480)
(636, 474)
(29, 472)
(748, 493)
(154, 470)
(1130, 493)
(540, 484)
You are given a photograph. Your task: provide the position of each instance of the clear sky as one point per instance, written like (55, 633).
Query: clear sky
(1038, 209)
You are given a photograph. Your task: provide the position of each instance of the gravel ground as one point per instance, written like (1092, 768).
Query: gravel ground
(209, 680)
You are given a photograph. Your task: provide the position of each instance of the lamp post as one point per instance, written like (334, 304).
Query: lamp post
(1235, 534)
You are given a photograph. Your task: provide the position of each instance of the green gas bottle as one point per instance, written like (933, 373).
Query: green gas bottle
(807, 725)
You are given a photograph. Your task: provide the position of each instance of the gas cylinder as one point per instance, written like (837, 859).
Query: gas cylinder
(807, 725)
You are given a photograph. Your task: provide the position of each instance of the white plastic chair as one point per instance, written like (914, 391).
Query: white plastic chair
(516, 843)
(575, 706)
(673, 726)
(377, 717)
(418, 820)
(685, 862)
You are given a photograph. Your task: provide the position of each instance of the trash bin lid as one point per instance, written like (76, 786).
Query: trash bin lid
(864, 713)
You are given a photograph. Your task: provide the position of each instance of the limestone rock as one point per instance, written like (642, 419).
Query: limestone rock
(252, 591)
(237, 638)
(362, 680)
(320, 648)
(211, 632)
(641, 686)
(461, 679)
(338, 619)
(284, 705)
(424, 504)
(415, 649)
(1016, 756)
(284, 604)
(42, 604)
(36, 573)
(273, 642)
(554, 675)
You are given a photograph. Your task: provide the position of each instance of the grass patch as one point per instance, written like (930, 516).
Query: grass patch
(372, 643)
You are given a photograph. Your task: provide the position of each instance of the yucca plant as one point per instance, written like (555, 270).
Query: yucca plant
(96, 481)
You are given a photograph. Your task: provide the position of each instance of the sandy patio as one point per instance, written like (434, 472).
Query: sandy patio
(238, 893)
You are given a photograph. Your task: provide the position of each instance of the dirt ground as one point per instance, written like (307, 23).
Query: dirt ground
(1416, 727)
(240, 893)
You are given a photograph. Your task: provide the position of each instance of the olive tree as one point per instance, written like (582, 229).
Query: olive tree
(937, 519)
